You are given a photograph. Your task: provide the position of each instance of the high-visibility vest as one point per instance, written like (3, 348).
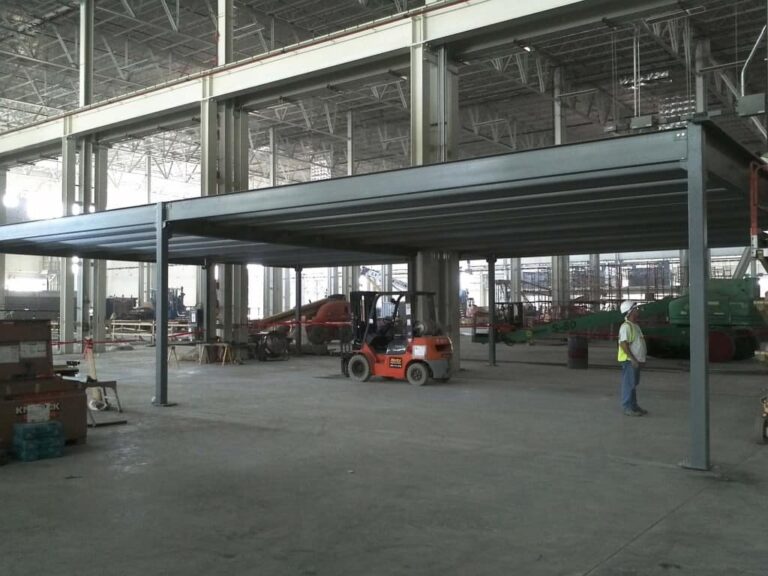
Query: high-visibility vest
(622, 356)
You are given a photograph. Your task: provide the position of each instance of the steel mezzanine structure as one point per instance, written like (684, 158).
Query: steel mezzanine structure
(664, 190)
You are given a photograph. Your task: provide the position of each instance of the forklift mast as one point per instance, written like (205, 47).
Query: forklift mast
(373, 312)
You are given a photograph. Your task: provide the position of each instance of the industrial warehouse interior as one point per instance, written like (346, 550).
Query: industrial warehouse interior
(407, 287)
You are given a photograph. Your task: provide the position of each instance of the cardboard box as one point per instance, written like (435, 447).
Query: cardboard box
(51, 398)
(25, 349)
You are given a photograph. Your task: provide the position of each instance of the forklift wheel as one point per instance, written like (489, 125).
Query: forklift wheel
(417, 374)
(761, 427)
(359, 368)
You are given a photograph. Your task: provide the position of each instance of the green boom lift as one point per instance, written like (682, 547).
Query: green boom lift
(735, 325)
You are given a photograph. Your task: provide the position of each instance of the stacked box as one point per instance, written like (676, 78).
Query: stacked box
(38, 440)
(25, 349)
(29, 391)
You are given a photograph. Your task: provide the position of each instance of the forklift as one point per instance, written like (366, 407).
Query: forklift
(396, 336)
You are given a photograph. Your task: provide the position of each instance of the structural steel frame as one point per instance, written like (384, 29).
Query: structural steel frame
(662, 190)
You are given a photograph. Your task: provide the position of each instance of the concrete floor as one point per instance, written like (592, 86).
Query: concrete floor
(288, 468)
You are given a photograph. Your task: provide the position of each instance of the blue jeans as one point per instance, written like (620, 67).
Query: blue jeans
(630, 380)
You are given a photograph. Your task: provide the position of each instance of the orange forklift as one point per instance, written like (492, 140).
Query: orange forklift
(396, 336)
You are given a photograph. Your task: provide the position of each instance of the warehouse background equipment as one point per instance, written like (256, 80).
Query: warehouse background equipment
(735, 324)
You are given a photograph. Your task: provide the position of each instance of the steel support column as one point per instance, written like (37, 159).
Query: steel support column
(85, 278)
(224, 32)
(434, 138)
(594, 281)
(434, 102)
(240, 304)
(85, 287)
(557, 107)
(438, 272)
(702, 59)
(272, 156)
(350, 143)
(240, 182)
(560, 264)
(161, 308)
(209, 126)
(225, 150)
(209, 302)
(3, 217)
(386, 277)
(350, 279)
(333, 280)
(491, 310)
(698, 276)
(298, 309)
(276, 280)
(86, 52)
(273, 292)
(225, 295)
(286, 280)
(101, 191)
(515, 280)
(350, 275)
(146, 287)
(66, 276)
(683, 269)
(560, 284)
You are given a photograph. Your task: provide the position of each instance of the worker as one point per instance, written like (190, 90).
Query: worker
(631, 355)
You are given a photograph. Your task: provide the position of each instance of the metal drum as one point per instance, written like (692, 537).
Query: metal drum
(578, 352)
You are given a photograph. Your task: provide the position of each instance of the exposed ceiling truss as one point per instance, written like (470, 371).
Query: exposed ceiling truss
(505, 90)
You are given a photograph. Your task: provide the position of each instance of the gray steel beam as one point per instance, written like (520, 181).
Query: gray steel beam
(161, 308)
(288, 238)
(698, 274)
(306, 61)
(652, 154)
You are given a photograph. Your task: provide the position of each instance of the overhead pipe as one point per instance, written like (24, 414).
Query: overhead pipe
(749, 59)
